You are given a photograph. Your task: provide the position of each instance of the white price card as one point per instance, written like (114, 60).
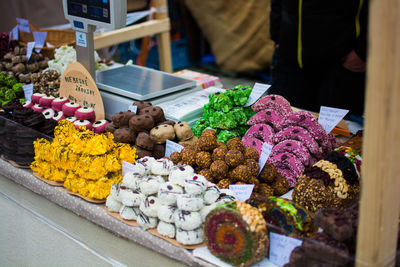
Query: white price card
(28, 91)
(266, 150)
(39, 38)
(127, 167)
(14, 33)
(280, 248)
(242, 191)
(132, 108)
(171, 147)
(81, 39)
(258, 90)
(23, 25)
(330, 117)
(29, 48)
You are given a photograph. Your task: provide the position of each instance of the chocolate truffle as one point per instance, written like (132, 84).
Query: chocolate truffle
(145, 141)
(140, 123)
(233, 158)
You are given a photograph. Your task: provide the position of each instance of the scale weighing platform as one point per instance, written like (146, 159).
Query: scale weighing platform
(121, 86)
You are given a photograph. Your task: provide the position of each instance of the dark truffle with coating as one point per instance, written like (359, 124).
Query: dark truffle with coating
(219, 169)
(268, 173)
(224, 183)
(175, 157)
(145, 141)
(140, 123)
(280, 185)
(121, 119)
(110, 127)
(219, 153)
(234, 158)
(141, 105)
(124, 135)
(203, 159)
(251, 153)
(158, 151)
(141, 153)
(235, 144)
(156, 112)
(207, 142)
(241, 173)
(253, 166)
(188, 155)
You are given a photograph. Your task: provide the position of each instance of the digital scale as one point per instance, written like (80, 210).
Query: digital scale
(120, 86)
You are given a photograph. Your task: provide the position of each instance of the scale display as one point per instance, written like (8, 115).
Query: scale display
(98, 10)
(141, 83)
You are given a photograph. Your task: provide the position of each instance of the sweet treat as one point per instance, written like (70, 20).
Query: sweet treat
(192, 141)
(260, 131)
(241, 173)
(192, 237)
(203, 159)
(288, 165)
(141, 123)
(235, 144)
(207, 174)
(141, 153)
(187, 220)
(121, 119)
(144, 165)
(130, 197)
(251, 153)
(188, 155)
(226, 196)
(225, 135)
(183, 130)
(58, 103)
(219, 153)
(233, 158)
(146, 222)
(294, 147)
(254, 143)
(124, 135)
(99, 126)
(27, 104)
(219, 169)
(168, 192)
(144, 140)
(196, 184)
(149, 206)
(166, 212)
(175, 157)
(224, 183)
(239, 94)
(35, 98)
(114, 191)
(179, 173)
(168, 122)
(58, 116)
(275, 102)
(151, 184)
(129, 213)
(162, 166)
(71, 119)
(253, 166)
(112, 204)
(141, 105)
(156, 112)
(280, 185)
(211, 194)
(34, 120)
(85, 113)
(48, 113)
(236, 233)
(110, 127)
(132, 180)
(336, 223)
(206, 210)
(38, 108)
(207, 142)
(83, 124)
(69, 109)
(158, 151)
(189, 202)
(162, 133)
(267, 116)
(46, 101)
(166, 229)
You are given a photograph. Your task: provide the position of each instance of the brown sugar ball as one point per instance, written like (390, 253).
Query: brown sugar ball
(224, 183)
(268, 173)
(207, 142)
(188, 155)
(280, 185)
(209, 132)
(253, 180)
(251, 153)
(207, 173)
(241, 173)
(219, 169)
(253, 166)
(234, 158)
(203, 159)
(264, 189)
(175, 157)
(235, 144)
(219, 143)
(219, 153)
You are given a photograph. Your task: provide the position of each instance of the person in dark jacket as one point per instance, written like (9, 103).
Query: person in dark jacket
(320, 53)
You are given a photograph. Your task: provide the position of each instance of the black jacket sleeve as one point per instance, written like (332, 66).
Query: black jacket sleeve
(275, 20)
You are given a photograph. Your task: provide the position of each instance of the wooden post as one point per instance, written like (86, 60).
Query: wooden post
(163, 38)
(380, 195)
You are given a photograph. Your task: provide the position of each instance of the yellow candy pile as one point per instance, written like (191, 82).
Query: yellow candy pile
(88, 164)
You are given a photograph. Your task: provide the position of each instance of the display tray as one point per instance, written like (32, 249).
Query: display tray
(88, 199)
(50, 182)
(154, 232)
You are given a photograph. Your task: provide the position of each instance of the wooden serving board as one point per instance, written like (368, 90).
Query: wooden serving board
(88, 199)
(154, 232)
(50, 182)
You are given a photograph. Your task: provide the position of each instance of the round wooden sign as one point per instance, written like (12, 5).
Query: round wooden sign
(78, 86)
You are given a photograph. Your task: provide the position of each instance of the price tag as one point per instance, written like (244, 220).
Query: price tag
(266, 150)
(40, 38)
(80, 39)
(242, 191)
(29, 49)
(330, 117)
(280, 248)
(127, 167)
(14, 33)
(23, 25)
(258, 90)
(133, 108)
(28, 91)
(171, 147)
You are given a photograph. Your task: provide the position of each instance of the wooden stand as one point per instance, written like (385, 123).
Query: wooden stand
(380, 195)
(159, 26)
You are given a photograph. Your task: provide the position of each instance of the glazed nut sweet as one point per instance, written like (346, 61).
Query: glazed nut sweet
(219, 169)
(251, 153)
(235, 144)
(234, 158)
(241, 173)
(203, 159)
(188, 155)
(207, 142)
(219, 153)
(175, 157)
(224, 183)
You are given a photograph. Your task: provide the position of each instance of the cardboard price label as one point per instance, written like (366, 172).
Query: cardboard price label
(28, 91)
(133, 108)
(40, 39)
(258, 90)
(330, 117)
(171, 147)
(29, 49)
(14, 33)
(127, 167)
(242, 191)
(281, 247)
(266, 150)
(23, 25)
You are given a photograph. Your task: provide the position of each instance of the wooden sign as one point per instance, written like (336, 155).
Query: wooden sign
(78, 86)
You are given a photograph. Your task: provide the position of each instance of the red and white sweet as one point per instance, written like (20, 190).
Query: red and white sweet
(70, 108)
(261, 131)
(36, 97)
(267, 116)
(100, 126)
(58, 103)
(294, 147)
(37, 108)
(27, 104)
(275, 102)
(58, 115)
(48, 113)
(254, 142)
(85, 113)
(83, 124)
(286, 161)
(46, 101)
(70, 119)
